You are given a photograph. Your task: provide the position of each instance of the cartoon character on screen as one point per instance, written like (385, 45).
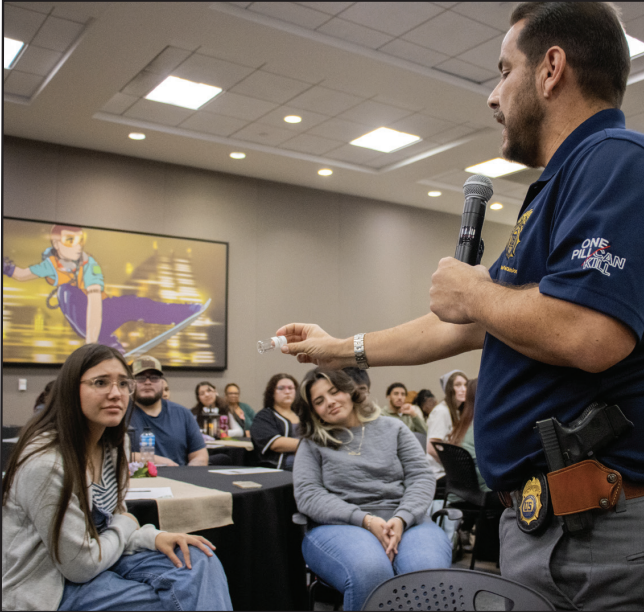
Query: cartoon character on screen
(78, 290)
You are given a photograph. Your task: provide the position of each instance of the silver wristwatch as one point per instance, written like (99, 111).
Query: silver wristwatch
(358, 351)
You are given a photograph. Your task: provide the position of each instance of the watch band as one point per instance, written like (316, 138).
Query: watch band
(358, 351)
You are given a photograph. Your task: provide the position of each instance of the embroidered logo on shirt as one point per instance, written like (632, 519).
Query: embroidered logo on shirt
(593, 254)
(513, 243)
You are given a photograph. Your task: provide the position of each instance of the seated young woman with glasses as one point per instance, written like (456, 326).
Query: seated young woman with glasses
(364, 482)
(68, 542)
(275, 428)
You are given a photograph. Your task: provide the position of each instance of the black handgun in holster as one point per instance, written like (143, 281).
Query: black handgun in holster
(566, 445)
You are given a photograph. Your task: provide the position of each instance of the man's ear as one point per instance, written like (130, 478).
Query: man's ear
(550, 72)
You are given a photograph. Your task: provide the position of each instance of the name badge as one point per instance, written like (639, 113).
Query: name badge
(534, 511)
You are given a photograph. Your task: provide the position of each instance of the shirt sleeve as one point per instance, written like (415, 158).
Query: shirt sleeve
(596, 259)
(44, 269)
(264, 430)
(93, 274)
(439, 423)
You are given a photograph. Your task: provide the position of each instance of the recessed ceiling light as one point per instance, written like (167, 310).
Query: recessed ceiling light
(325, 172)
(10, 51)
(635, 46)
(181, 92)
(292, 119)
(495, 167)
(434, 194)
(137, 136)
(496, 206)
(238, 155)
(385, 140)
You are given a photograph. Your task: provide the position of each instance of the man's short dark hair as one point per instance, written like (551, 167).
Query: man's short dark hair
(392, 386)
(592, 37)
(360, 377)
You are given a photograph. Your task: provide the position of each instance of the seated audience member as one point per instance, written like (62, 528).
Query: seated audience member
(398, 408)
(361, 380)
(275, 429)
(444, 417)
(207, 397)
(242, 413)
(178, 440)
(41, 400)
(364, 483)
(67, 541)
(166, 390)
(426, 401)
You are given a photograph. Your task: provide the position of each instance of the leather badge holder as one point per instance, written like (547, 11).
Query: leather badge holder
(534, 509)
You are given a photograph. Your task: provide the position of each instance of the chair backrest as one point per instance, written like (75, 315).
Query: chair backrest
(460, 473)
(451, 589)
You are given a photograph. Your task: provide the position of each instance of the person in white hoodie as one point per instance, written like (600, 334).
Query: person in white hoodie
(67, 541)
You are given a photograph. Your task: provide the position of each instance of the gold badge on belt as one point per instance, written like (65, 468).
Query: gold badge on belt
(530, 501)
(534, 508)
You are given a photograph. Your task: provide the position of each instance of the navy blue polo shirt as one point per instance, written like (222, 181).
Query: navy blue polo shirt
(580, 237)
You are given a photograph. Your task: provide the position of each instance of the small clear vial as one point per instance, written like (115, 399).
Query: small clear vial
(276, 342)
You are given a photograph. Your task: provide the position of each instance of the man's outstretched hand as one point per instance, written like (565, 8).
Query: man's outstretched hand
(311, 344)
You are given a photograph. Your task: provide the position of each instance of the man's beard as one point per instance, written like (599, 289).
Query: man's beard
(523, 132)
(148, 400)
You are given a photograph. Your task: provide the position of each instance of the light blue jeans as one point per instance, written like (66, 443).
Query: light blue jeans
(148, 580)
(352, 560)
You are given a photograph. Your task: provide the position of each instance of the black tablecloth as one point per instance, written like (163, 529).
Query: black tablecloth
(260, 552)
(238, 455)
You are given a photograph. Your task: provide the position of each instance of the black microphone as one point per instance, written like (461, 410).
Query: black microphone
(478, 190)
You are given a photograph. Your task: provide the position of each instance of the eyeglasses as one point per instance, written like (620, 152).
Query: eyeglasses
(285, 388)
(103, 385)
(154, 378)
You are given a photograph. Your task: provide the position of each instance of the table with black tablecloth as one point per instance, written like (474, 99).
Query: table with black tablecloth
(231, 448)
(260, 552)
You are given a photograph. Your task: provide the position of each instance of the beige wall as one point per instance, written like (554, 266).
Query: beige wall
(348, 263)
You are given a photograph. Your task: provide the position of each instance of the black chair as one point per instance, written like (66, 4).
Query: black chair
(462, 481)
(453, 589)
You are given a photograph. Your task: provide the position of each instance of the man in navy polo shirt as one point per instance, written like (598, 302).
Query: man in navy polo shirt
(560, 315)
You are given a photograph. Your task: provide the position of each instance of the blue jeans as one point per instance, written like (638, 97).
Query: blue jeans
(148, 580)
(352, 560)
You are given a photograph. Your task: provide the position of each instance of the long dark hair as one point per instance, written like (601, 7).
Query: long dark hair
(197, 409)
(44, 395)
(269, 392)
(450, 398)
(66, 429)
(467, 415)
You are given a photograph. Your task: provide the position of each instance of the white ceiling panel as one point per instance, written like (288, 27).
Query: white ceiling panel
(263, 134)
(453, 133)
(446, 4)
(57, 34)
(238, 106)
(391, 18)
(217, 125)
(157, 112)
(495, 14)
(211, 71)
(168, 60)
(631, 10)
(374, 113)
(312, 145)
(451, 34)
(340, 129)
(636, 27)
(21, 24)
(21, 83)
(385, 159)
(466, 70)
(354, 155)
(309, 119)
(40, 7)
(485, 55)
(143, 83)
(635, 122)
(325, 100)
(331, 8)
(291, 12)
(413, 53)
(38, 61)
(270, 87)
(357, 34)
(119, 103)
(421, 125)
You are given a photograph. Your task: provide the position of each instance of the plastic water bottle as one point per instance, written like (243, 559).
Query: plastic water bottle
(147, 445)
(276, 342)
(223, 425)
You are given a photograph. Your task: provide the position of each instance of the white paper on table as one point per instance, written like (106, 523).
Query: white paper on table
(249, 470)
(155, 493)
(10, 440)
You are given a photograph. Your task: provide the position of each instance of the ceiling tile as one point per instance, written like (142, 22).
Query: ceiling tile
(213, 124)
(340, 129)
(453, 133)
(485, 55)
(446, 4)
(451, 34)
(157, 112)
(292, 13)
(119, 103)
(6, 73)
(168, 60)
(263, 134)
(309, 119)
(495, 14)
(631, 10)
(352, 154)
(21, 84)
(313, 145)
(57, 34)
(636, 28)
(455, 177)
(492, 83)
(331, 8)
(270, 87)
(413, 53)
(324, 100)
(391, 158)
(38, 61)
(635, 122)
(352, 32)
(393, 18)
(421, 125)
(143, 83)
(374, 113)
(40, 7)
(211, 71)
(76, 11)
(21, 24)
(240, 107)
(240, 4)
(465, 70)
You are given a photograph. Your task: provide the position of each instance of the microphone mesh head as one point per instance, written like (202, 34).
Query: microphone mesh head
(478, 185)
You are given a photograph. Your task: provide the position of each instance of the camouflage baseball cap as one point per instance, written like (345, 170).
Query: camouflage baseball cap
(146, 362)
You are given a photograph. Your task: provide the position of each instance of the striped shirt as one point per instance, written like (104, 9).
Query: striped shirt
(105, 493)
